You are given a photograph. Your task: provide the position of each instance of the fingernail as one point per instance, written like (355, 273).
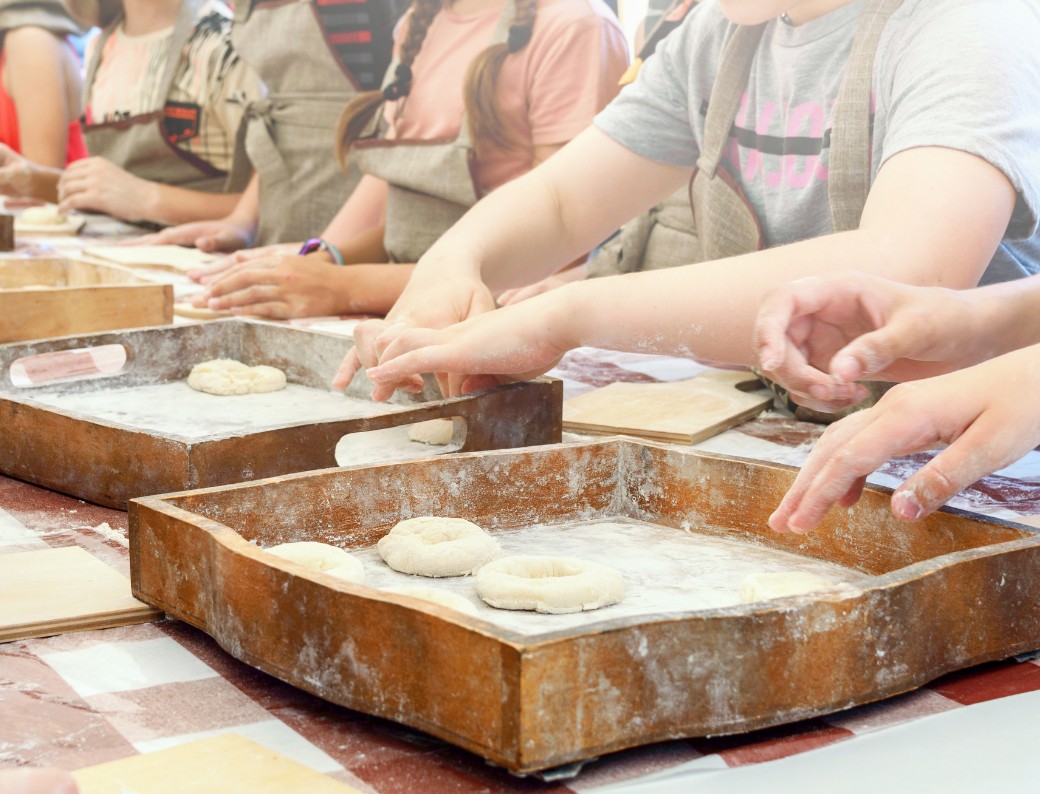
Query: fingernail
(906, 506)
(771, 360)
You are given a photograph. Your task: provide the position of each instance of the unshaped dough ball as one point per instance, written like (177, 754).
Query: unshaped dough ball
(437, 546)
(322, 557)
(438, 432)
(225, 376)
(442, 597)
(555, 585)
(47, 215)
(764, 586)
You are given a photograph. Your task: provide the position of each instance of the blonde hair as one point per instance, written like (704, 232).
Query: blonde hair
(479, 89)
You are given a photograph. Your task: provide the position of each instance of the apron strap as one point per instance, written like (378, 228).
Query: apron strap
(730, 83)
(851, 150)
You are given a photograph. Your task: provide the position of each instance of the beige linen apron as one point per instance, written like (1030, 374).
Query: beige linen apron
(289, 137)
(431, 182)
(139, 144)
(50, 15)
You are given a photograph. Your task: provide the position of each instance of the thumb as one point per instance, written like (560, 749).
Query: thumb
(873, 352)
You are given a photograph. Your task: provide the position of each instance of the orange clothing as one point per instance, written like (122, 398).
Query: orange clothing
(549, 91)
(76, 148)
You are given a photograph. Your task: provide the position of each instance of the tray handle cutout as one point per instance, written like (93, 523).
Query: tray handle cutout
(403, 442)
(63, 366)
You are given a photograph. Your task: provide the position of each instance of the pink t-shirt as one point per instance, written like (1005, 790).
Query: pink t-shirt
(549, 91)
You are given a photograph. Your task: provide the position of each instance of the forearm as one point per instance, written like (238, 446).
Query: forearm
(532, 227)
(368, 289)
(708, 310)
(171, 205)
(364, 210)
(1009, 314)
(246, 211)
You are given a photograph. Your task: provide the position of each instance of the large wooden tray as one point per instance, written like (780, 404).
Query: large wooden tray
(72, 296)
(924, 599)
(82, 436)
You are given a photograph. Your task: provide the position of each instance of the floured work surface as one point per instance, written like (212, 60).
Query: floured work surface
(226, 763)
(678, 657)
(109, 417)
(54, 591)
(44, 297)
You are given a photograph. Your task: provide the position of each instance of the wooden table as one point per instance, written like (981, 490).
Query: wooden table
(81, 699)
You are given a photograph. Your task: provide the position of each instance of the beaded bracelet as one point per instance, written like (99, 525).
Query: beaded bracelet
(318, 244)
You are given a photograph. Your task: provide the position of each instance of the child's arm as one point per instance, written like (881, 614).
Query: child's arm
(231, 233)
(984, 413)
(35, 78)
(934, 216)
(817, 336)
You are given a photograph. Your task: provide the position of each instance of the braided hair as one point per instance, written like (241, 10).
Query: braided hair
(479, 94)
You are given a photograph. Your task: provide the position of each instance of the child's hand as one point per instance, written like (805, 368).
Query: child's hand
(985, 413)
(223, 236)
(95, 184)
(513, 343)
(425, 303)
(27, 780)
(817, 336)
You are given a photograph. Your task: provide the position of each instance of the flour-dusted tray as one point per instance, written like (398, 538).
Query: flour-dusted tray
(120, 421)
(678, 657)
(44, 297)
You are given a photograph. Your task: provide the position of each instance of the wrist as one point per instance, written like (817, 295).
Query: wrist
(564, 310)
(320, 244)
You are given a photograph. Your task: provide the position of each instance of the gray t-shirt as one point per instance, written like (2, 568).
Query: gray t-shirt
(959, 74)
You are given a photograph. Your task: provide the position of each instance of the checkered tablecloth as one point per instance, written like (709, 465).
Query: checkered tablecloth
(85, 698)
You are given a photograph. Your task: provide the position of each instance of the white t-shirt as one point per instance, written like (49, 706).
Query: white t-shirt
(959, 74)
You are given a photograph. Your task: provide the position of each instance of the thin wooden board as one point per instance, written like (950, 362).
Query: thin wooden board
(169, 257)
(228, 763)
(684, 412)
(55, 591)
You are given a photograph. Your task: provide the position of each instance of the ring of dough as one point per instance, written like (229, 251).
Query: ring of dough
(322, 557)
(555, 585)
(436, 546)
(442, 597)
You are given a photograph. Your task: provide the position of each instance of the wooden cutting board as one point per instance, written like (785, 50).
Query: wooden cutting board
(54, 591)
(683, 412)
(228, 763)
(168, 257)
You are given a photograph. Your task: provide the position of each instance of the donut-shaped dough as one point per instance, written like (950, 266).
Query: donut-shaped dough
(322, 557)
(436, 546)
(549, 584)
(225, 376)
(764, 586)
(442, 597)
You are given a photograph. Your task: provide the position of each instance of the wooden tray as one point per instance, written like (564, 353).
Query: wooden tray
(94, 436)
(922, 599)
(71, 296)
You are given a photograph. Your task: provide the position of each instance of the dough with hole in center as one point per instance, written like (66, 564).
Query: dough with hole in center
(555, 585)
(437, 546)
(225, 376)
(764, 586)
(442, 597)
(322, 557)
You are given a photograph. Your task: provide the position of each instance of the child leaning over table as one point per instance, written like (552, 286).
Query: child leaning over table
(841, 135)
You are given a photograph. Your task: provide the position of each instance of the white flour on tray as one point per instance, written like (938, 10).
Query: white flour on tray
(666, 570)
(175, 409)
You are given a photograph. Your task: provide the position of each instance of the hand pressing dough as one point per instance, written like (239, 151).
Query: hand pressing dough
(47, 215)
(442, 597)
(438, 432)
(764, 586)
(555, 585)
(436, 546)
(225, 376)
(322, 557)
